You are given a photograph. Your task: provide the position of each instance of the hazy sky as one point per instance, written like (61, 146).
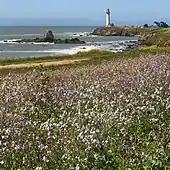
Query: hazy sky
(82, 12)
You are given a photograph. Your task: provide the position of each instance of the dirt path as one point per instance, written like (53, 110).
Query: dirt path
(50, 63)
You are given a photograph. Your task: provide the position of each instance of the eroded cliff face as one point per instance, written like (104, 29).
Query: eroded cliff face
(145, 38)
(159, 37)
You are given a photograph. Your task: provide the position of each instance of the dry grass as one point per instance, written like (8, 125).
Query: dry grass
(42, 64)
(79, 55)
(159, 37)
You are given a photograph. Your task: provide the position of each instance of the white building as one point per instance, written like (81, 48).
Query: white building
(108, 24)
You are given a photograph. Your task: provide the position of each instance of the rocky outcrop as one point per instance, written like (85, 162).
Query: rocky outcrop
(145, 36)
(55, 41)
(116, 31)
(69, 41)
(49, 37)
(158, 37)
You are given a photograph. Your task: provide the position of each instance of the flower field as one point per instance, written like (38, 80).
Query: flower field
(109, 116)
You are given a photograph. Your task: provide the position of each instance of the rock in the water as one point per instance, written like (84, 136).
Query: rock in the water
(76, 41)
(68, 41)
(49, 37)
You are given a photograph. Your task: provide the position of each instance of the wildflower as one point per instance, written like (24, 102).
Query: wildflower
(77, 167)
(45, 159)
(1, 162)
(38, 168)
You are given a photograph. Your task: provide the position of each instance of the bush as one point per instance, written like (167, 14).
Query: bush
(146, 25)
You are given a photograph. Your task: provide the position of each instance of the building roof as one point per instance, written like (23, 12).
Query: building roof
(108, 11)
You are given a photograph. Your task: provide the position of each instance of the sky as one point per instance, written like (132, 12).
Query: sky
(82, 12)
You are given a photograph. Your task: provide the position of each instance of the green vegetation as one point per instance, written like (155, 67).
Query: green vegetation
(146, 26)
(94, 57)
(161, 24)
(158, 37)
(121, 30)
(79, 55)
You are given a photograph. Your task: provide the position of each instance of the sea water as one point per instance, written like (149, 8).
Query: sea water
(11, 49)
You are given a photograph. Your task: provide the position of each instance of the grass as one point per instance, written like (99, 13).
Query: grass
(79, 55)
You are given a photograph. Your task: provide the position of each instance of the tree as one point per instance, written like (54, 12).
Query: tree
(164, 24)
(161, 24)
(157, 23)
(146, 25)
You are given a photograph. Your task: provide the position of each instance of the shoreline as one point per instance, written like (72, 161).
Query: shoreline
(92, 51)
(24, 45)
(113, 46)
(45, 59)
(92, 56)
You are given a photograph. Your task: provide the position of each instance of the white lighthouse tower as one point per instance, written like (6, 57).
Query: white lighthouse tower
(108, 18)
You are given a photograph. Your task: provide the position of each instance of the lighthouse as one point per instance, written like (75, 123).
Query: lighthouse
(108, 18)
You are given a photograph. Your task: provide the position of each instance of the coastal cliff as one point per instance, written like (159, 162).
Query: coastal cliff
(159, 37)
(147, 36)
(118, 31)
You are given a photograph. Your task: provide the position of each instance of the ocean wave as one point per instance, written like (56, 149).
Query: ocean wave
(27, 51)
(19, 35)
(115, 41)
(113, 46)
(12, 41)
(64, 34)
(75, 50)
(86, 48)
(70, 51)
(77, 34)
(89, 42)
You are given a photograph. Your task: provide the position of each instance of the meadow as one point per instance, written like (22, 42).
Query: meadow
(110, 114)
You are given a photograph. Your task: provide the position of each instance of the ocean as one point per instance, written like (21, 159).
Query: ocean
(11, 49)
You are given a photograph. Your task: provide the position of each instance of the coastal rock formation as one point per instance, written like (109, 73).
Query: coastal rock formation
(49, 38)
(157, 37)
(116, 31)
(55, 41)
(145, 36)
